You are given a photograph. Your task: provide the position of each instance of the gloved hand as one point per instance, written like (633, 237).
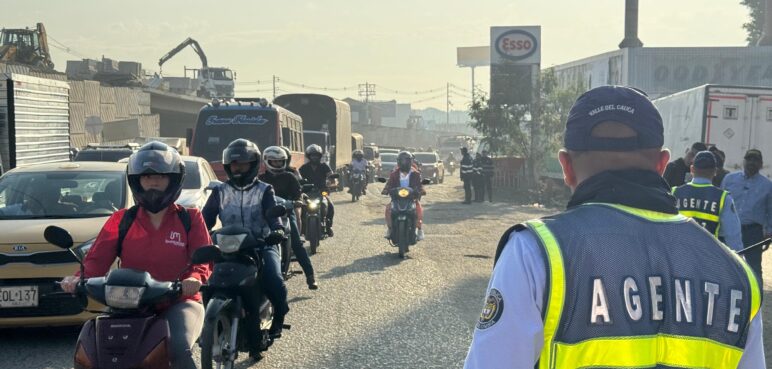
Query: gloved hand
(275, 237)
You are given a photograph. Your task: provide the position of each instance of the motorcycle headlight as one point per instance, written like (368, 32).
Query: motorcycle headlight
(230, 243)
(123, 297)
(403, 192)
(82, 250)
(313, 204)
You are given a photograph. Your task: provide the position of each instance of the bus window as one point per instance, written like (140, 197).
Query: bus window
(286, 137)
(216, 128)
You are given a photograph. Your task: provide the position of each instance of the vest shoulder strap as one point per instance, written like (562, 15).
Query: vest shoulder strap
(505, 239)
(128, 219)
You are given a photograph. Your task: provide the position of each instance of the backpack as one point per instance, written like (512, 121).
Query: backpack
(131, 214)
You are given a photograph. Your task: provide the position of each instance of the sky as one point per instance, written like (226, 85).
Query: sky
(398, 45)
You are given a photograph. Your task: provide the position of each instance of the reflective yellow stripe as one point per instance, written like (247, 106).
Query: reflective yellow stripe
(755, 290)
(647, 351)
(700, 215)
(557, 289)
(653, 216)
(720, 210)
(700, 184)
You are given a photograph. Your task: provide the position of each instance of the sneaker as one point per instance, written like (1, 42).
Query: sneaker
(419, 234)
(330, 233)
(311, 282)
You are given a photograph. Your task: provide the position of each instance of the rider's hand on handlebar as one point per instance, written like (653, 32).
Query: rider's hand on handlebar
(276, 237)
(190, 286)
(69, 283)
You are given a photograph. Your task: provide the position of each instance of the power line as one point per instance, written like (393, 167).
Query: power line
(310, 87)
(424, 92)
(66, 48)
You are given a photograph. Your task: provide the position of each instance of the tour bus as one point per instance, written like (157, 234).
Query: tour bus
(221, 122)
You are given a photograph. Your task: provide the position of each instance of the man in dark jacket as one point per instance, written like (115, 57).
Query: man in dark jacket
(487, 174)
(478, 183)
(467, 174)
(721, 172)
(677, 170)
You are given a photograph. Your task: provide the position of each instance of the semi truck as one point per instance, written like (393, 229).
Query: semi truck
(34, 120)
(322, 113)
(733, 118)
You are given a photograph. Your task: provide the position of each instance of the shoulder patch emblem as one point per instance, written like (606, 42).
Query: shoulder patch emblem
(491, 313)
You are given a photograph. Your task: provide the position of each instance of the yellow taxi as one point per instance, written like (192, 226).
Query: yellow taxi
(77, 196)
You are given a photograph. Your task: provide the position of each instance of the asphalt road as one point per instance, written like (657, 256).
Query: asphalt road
(372, 310)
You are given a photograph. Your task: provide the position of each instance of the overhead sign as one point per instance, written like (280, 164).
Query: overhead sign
(214, 120)
(516, 45)
(476, 56)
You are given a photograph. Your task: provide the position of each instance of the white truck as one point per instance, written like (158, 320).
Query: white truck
(34, 120)
(733, 118)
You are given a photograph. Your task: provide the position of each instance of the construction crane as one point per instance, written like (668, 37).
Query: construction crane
(26, 46)
(214, 82)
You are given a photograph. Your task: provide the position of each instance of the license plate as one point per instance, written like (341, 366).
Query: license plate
(18, 296)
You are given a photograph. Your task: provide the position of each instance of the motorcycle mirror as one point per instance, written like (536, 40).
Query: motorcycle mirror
(276, 211)
(58, 236)
(308, 188)
(381, 179)
(334, 176)
(426, 181)
(206, 254)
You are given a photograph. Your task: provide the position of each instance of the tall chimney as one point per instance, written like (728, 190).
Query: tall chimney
(631, 25)
(766, 30)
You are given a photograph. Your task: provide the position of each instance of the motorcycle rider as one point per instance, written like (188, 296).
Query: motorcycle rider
(360, 164)
(243, 200)
(406, 176)
(287, 186)
(317, 173)
(155, 175)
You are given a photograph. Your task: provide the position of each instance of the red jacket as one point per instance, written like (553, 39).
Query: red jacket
(415, 181)
(163, 253)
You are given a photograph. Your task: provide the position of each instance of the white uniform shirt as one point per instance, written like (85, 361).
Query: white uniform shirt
(515, 339)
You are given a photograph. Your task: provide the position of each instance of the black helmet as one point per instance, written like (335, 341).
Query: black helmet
(242, 151)
(358, 154)
(155, 158)
(404, 161)
(314, 153)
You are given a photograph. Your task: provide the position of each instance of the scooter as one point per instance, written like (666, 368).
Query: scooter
(130, 333)
(236, 273)
(403, 217)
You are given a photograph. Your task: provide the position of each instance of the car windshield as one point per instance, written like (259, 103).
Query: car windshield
(389, 158)
(52, 195)
(426, 158)
(192, 179)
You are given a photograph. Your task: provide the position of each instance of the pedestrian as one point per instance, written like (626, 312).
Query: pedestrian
(479, 186)
(677, 172)
(620, 279)
(720, 171)
(710, 206)
(487, 174)
(467, 174)
(752, 194)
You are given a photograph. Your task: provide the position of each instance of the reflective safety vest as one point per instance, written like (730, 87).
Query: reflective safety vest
(632, 288)
(703, 203)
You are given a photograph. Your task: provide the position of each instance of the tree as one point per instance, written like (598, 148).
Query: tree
(756, 23)
(532, 131)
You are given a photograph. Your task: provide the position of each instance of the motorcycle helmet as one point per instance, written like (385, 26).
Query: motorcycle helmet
(155, 158)
(241, 151)
(358, 154)
(275, 159)
(314, 153)
(289, 156)
(404, 161)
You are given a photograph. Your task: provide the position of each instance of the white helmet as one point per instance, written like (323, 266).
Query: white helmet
(275, 154)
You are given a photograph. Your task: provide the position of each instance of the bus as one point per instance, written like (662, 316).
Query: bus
(221, 122)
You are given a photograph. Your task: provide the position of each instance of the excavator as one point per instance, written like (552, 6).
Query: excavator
(213, 82)
(26, 46)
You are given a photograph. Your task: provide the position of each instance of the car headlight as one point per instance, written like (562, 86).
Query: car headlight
(123, 297)
(82, 250)
(230, 243)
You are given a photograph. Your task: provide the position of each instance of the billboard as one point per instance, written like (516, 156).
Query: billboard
(477, 56)
(516, 45)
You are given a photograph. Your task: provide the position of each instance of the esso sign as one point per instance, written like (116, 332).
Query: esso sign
(516, 45)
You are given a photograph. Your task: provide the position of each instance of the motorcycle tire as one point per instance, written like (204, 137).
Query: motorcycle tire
(402, 239)
(214, 337)
(313, 234)
(285, 259)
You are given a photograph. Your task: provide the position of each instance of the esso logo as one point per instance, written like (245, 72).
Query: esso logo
(516, 45)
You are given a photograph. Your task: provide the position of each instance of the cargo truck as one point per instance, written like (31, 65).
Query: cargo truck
(34, 120)
(733, 118)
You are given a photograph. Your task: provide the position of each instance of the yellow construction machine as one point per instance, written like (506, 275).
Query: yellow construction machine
(26, 46)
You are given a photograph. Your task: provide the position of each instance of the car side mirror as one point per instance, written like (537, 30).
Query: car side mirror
(58, 236)
(276, 211)
(206, 254)
(212, 185)
(381, 179)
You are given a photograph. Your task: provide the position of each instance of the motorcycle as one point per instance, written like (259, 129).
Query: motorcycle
(315, 215)
(451, 165)
(403, 217)
(236, 273)
(286, 253)
(357, 180)
(130, 333)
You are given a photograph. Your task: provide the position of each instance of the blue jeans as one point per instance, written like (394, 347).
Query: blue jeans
(297, 247)
(272, 281)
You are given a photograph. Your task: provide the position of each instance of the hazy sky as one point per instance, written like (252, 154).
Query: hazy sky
(395, 44)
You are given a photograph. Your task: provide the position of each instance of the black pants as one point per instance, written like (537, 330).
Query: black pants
(467, 189)
(753, 234)
(297, 247)
(487, 184)
(479, 189)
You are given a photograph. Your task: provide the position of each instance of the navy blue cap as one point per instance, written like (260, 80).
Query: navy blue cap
(624, 105)
(705, 160)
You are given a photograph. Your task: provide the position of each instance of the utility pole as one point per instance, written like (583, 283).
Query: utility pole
(274, 87)
(447, 105)
(366, 90)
